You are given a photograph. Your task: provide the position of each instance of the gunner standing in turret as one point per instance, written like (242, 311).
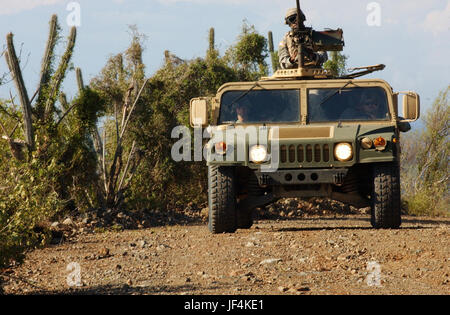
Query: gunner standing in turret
(288, 49)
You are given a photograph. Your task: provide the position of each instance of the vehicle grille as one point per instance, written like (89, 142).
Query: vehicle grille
(305, 153)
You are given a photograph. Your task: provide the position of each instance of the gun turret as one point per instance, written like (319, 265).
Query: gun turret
(310, 42)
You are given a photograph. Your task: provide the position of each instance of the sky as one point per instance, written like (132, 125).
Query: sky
(411, 37)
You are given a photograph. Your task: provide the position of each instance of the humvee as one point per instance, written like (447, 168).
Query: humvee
(304, 135)
(305, 132)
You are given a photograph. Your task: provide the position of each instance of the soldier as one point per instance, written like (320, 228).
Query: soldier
(241, 113)
(368, 109)
(288, 49)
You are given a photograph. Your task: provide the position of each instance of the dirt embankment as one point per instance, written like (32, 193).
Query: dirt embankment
(327, 254)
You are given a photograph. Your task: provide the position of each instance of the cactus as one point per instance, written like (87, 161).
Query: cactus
(167, 56)
(270, 41)
(212, 53)
(13, 64)
(211, 39)
(79, 80)
(60, 73)
(63, 101)
(46, 67)
(273, 54)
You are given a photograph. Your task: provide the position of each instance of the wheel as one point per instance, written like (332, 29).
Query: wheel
(245, 218)
(222, 199)
(385, 197)
(245, 213)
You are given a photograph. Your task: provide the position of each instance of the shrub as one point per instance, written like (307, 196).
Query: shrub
(425, 167)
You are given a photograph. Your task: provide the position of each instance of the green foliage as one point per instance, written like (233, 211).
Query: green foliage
(88, 107)
(74, 150)
(336, 64)
(161, 182)
(59, 174)
(426, 167)
(247, 57)
(27, 197)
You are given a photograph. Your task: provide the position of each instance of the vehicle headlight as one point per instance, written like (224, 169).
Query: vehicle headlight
(343, 152)
(366, 143)
(258, 154)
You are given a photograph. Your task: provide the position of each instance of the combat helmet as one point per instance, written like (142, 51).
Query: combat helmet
(292, 12)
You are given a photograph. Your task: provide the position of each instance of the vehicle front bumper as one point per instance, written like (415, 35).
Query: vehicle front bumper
(302, 176)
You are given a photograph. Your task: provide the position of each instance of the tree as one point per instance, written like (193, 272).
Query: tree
(337, 64)
(121, 83)
(248, 55)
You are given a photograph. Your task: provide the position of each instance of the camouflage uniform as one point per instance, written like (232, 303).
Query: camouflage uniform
(288, 48)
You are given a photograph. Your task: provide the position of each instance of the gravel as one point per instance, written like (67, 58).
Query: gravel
(304, 253)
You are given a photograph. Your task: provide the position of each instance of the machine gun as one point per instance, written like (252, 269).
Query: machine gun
(312, 41)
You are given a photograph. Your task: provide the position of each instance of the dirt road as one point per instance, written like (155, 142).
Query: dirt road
(311, 255)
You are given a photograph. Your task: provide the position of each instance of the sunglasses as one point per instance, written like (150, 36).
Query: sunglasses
(292, 19)
(370, 104)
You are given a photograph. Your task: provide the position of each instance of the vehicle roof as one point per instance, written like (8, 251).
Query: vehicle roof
(286, 84)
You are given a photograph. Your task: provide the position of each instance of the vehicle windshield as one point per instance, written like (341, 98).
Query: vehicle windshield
(260, 106)
(347, 104)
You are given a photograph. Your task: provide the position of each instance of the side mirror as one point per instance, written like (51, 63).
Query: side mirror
(199, 112)
(411, 106)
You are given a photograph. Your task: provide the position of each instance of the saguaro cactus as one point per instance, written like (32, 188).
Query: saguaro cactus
(212, 53)
(14, 67)
(273, 54)
(270, 35)
(212, 39)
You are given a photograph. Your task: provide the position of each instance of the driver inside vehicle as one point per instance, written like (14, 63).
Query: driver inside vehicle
(241, 113)
(366, 110)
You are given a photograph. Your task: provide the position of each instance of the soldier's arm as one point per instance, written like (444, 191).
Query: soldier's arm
(284, 56)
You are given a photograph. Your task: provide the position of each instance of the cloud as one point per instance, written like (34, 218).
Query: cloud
(438, 21)
(10, 7)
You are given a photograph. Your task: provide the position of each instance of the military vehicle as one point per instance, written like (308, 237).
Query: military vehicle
(304, 133)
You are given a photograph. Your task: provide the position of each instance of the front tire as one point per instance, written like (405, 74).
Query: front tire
(245, 213)
(385, 197)
(222, 199)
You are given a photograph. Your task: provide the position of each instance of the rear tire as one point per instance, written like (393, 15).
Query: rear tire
(222, 199)
(385, 197)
